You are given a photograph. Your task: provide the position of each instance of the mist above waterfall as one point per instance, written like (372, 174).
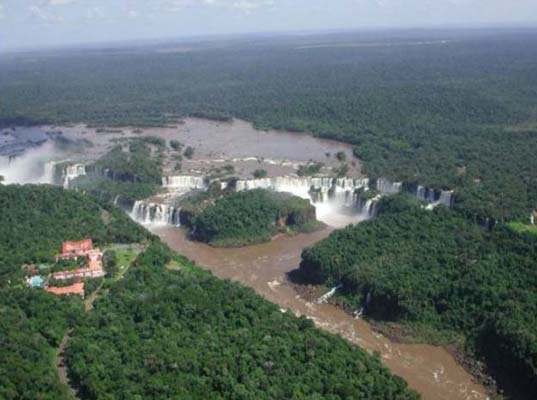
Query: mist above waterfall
(30, 167)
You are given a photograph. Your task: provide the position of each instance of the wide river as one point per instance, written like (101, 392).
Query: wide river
(431, 370)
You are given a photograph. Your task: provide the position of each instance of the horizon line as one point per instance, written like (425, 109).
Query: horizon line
(79, 45)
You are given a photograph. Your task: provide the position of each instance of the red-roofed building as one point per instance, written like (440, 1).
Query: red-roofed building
(75, 288)
(74, 249)
(83, 248)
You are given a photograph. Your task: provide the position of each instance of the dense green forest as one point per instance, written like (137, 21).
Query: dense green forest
(131, 170)
(436, 269)
(447, 109)
(34, 220)
(242, 218)
(32, 324)
(164, 334)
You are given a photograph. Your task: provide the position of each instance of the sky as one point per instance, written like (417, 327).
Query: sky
(43, 23)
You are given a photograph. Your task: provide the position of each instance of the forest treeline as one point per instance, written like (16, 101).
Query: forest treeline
(164, 334)
(435, 269)
(449, 109)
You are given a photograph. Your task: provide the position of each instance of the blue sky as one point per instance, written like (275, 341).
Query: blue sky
(39, 23)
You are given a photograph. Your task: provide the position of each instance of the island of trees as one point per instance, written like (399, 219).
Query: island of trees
(234, 219)
(131, 170)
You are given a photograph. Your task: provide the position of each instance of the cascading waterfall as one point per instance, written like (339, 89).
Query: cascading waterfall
(49, 172)
(185, 182)
(446, 198)
(338, 191)
(426, 194)
(155, 214)
(344, 199)
(58, 172)
(367, 207)
(71, 172)
(435, 197)
(335, 199)
(386, 186)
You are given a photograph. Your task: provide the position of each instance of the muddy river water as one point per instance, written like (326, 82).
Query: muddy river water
(430, 370)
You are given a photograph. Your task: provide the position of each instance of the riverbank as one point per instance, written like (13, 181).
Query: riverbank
(431, 370)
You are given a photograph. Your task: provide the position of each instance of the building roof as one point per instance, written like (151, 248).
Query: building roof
(75, 288)
(74, 247)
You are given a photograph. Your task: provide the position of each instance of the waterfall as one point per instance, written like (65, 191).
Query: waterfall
(435, 197)
(446, 198)
(324, 298)
(426, 194)
(49, 173)
(318, 190)
(58, 172)
(154, 214)
(71, 172)
(368, 207)
(184, 182)
(386, 186)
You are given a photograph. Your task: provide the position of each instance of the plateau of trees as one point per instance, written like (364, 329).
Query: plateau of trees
(253, 216)
(185, 334)
(131, 171)
(436, 269)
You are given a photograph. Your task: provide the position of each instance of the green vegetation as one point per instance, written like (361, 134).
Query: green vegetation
(457, 115)
(176, 145)
(32, 324)
(523, 228)
(185, 334)
(33, 223)
(309, 169)
(189, 152)
(253, 216)
(260, 173)
(341, 156)
(437, 270)
(137, 161)
(130, 171)
(36, 219)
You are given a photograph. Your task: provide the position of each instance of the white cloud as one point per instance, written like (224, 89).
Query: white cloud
(60, 2)
(95, 13)
(251, 5)
(242, 5)
(44, 15)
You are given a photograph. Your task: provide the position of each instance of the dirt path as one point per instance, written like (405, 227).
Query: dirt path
(61, 366)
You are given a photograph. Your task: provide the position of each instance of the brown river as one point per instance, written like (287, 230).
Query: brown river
(430, 370)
